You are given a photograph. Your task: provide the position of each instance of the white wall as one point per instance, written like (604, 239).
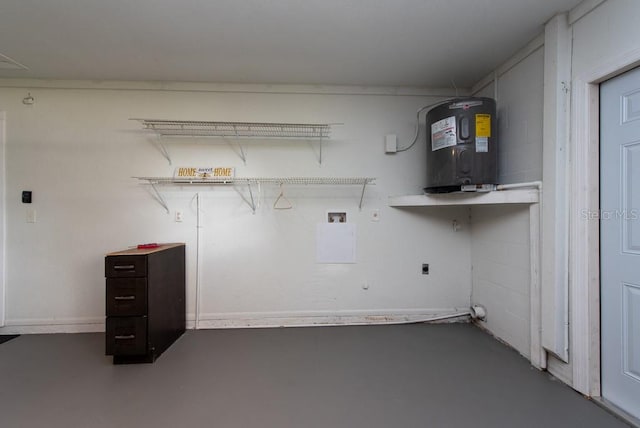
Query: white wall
(520, 100)
(77, 151)
(500, 247)
(603, 33)
(607, 32)
(605, 42)
(500, 258)
(519, 103)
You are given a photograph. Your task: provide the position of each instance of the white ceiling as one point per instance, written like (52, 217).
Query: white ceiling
(342, 42)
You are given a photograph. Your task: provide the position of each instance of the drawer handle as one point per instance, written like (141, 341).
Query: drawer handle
(124, 267)
(124, 298)
(127, 337)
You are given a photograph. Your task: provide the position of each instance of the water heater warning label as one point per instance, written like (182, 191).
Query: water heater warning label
(443, 133)
(483, 125)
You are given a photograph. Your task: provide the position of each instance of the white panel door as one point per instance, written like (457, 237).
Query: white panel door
(620, 240)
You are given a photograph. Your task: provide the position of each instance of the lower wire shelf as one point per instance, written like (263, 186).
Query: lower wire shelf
(251, 183)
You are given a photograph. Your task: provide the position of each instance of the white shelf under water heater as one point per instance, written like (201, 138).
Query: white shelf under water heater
(496, 197)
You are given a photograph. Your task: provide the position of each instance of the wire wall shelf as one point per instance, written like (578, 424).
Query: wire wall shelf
(237, 129)
(251, 184)
(233, 131)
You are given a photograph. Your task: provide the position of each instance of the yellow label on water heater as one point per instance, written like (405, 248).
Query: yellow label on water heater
(483, 125)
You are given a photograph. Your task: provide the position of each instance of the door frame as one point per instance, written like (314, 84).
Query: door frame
(3, 216)
(584, 234)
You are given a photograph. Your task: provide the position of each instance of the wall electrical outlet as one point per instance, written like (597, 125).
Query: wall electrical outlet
(31, 215)
(178, 217)
(375, 215)
(425, 268)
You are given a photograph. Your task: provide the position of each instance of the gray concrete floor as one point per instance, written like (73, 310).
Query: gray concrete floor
(366, 376)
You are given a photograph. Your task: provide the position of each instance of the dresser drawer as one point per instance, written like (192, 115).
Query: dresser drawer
(126, 296)
(125, 266)
(126, 336)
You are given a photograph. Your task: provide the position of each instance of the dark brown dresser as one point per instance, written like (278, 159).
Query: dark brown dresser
(145, 303)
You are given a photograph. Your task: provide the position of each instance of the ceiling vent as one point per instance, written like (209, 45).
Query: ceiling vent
(7, 63)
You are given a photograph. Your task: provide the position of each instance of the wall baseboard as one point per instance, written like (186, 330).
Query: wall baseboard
(58, 325)
(311, 319)
(251, 320)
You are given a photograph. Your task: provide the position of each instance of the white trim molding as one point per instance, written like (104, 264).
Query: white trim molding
(329, 318)
(583, 9)
(584, 245)
(249, 88)
(253, 320)
(57, 325)
(584, 233)
(538, 354)
(555, 258)
(3, 218)
(529, 49)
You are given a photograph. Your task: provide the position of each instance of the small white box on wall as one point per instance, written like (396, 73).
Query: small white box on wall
(335, 243)
(390, 143)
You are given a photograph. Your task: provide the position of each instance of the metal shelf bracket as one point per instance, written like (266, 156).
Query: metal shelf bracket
(238, 151)
(249, 198)
(158, 196)
(364, 186)
(162, 148)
